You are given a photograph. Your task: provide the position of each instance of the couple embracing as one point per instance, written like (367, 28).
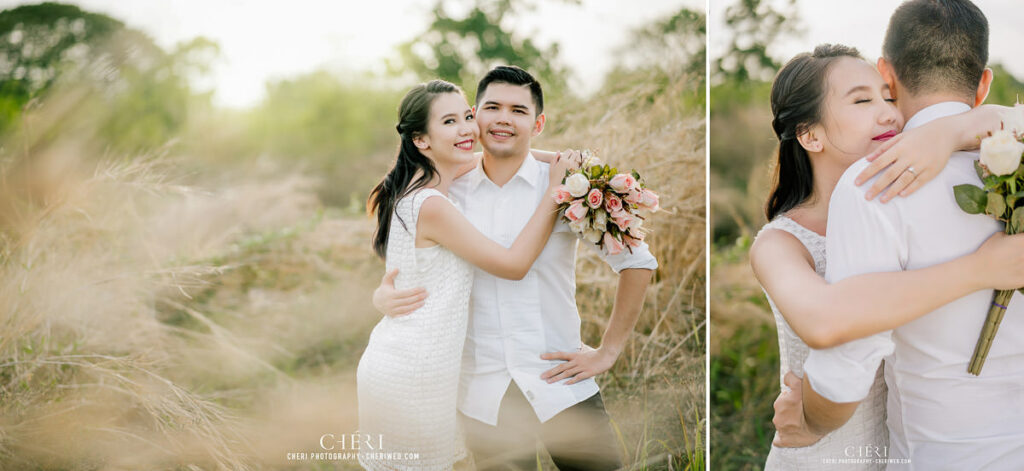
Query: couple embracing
(877, 321)
(480, 345)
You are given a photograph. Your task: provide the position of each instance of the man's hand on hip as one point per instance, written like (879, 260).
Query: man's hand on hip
(578, 366)
(394, 302)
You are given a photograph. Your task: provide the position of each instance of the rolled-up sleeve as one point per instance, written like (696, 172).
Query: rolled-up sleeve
(862, 237)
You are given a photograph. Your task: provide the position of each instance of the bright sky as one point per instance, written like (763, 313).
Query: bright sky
(266, 39)
(862, 24)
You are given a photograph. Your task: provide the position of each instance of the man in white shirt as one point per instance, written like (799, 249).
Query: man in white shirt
(526, 374)
(938, 415)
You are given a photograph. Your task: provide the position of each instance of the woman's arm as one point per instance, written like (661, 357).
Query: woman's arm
(440, 222)
(825, 315)
(927, 149)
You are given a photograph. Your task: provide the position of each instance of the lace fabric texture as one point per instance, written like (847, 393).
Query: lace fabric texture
(855, 445)
(409, 374)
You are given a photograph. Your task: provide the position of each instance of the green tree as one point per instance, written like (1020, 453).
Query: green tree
(754, 26)
(137, 95)
(461, 49)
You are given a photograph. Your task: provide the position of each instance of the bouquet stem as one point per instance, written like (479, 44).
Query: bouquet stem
(988, 332)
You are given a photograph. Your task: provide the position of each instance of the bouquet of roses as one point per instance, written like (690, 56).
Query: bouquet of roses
(605, 207)
(1002, 198)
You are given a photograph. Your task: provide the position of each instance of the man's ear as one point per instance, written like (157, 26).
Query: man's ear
(538, 125)
(983, 86)
(889, 75)
(810, 140)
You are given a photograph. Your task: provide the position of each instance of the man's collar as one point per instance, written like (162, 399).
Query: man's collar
(527, 172)
(936, 111)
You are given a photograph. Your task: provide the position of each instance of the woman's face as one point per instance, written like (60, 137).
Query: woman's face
(451, 131)
(858, 112)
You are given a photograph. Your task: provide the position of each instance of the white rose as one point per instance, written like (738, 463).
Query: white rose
(1013, 119)
(589, 159)
(1001, 152)
(578, 226)
(600, 220)
(593, 236)
(577, 184)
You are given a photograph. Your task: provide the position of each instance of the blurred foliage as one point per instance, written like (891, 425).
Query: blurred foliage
(462, 48)
(143, 90)
(675, 45)
(754, 26)
(1006, 89)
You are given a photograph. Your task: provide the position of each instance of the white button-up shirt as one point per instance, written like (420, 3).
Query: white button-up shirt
(513, 322)
(939, 415)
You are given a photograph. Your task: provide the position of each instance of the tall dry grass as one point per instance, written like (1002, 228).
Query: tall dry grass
(160, 320)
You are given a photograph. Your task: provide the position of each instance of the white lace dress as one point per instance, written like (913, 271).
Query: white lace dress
(409, 374)
(841, 448)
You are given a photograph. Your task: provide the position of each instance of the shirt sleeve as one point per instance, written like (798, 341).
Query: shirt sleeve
(862, 237)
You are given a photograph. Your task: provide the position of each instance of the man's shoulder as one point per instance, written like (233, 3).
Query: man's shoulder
(847, 189)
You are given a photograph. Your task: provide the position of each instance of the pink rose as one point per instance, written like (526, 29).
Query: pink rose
(561, 194)
(648, 200)
(576, 210)
(612, 203)
(635, 196)
(594, 198)
(612, 244)
(622, 182)
(623, 219)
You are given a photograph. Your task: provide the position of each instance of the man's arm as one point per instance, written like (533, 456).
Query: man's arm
(822, 415)
(798, 428)
(863, 237)
(629, 301)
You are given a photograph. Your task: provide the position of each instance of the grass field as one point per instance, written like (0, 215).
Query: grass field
(158, 319)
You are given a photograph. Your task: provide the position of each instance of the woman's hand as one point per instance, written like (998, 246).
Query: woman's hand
(916, 156)
(566, 160)
(1000, 262)
(911, 159)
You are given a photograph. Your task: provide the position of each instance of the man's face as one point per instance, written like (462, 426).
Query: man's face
(507, 119)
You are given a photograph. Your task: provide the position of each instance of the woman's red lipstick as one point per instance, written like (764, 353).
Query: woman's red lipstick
(885, 136)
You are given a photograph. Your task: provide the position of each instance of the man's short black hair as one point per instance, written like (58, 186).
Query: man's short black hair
(512, 75)
(937, 45)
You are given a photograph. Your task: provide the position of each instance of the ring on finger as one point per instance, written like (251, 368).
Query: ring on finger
(911, 170)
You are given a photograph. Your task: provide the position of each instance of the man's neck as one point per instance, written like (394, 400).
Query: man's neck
(501, 169)
(911, 105)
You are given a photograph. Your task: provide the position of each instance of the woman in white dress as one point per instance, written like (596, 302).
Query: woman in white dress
(830, 108)
(408, 375)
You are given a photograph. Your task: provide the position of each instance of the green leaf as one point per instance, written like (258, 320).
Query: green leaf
(995, 206)
(1017, 221)
(1012, 199)
(970, 198)
(636, 176)
(978, 168)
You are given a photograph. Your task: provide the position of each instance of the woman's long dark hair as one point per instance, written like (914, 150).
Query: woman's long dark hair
(413, 114)
(797, 96)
